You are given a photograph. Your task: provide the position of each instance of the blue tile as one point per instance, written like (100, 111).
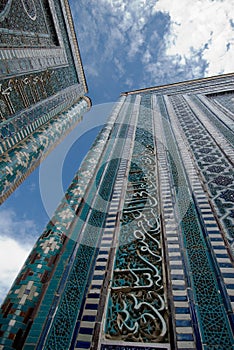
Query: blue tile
(102, 259)
(213, 231)
(224, 255)
(94, 295)
(225, 264)
(83, 344)
(171, 249)
(182, 310)
(98, 277)
(183, 323)
(91, 306)
(219, 246)
(178, 287)
(89, 318)
(187, 337)
(85, 330)
(176, 277)
(216, 239)
(228, 275)
(171, 258)
(100, 268)
(180, 297)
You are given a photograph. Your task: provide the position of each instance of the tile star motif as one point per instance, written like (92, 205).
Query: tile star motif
(66, 214)
(23, 158)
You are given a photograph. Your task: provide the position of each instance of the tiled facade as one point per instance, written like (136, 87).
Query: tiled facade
(139, 254)
(41, 78)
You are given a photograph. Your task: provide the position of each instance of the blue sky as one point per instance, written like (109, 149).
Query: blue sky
(124, 45)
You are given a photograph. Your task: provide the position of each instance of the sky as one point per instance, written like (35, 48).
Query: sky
(125, 45)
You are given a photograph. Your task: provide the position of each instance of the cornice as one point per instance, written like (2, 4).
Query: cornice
(178, 84)
(88, 100)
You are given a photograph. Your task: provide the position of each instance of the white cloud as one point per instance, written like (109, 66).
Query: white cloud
(151, 42)
(112, 28)
(146, 58)
(200, 26)
(16, 240)
(129, 82)
(17, 228)
(119, 66)
(12, 258)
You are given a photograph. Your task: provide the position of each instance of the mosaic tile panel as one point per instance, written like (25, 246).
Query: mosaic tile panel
(27, 24)
(225, 100)
(21, 92)
(88, 328)
(172, 282)
(65, 218)
(136, 308)
(20, 161)
(213, 321)
(220, 120)
(213, 163)
(212, 233)
(59, 336)
(41, 77)
(23, 124)
(182, 307)
(40, 81)
(41, 261)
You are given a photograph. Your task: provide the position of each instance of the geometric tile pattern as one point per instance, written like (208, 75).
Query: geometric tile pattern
(37, 83)
(18, 162)
(137, 255)
(225, 101)
(83, 265)
(213, 163)
(23, 124)
(73, 279)
(214, 236)
(39, 266)
(88, 323)
(181, 304)
(202, 267)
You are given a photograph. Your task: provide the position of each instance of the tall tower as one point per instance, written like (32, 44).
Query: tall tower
(42, 84)
(139, 254)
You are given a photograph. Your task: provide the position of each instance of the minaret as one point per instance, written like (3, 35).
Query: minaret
(139, 253)
(42, 85)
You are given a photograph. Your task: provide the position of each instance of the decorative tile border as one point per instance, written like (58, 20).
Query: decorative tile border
(214, 238)
(180, 303)
(106, 248)
(136, 277)
(19, 162)
(213, 162)
(26, 122)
